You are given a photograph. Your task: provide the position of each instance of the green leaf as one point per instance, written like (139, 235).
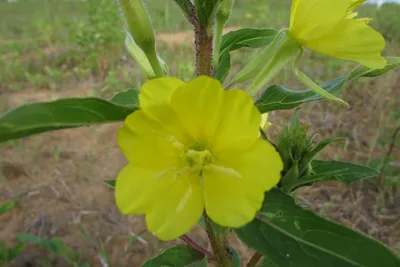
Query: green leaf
(267, 262)
(65, 113)
(111, 183)
(206, 11)
(15, 251)
(179, 255)
(128, 98)
(292, 236)
(345, 172)
(7, 206)
(235, 257)
(37, 240)
(202, 263)
(277, 97)
(309, 156)
(248, 37)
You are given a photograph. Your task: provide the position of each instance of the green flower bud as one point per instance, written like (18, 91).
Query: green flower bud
(269, 62)
(138, 22)
(141, 30)
(225, 11)
(297, 151)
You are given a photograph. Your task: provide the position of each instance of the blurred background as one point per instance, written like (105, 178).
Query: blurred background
(57, 48)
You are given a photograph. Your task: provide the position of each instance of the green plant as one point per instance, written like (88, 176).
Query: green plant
(197, 153)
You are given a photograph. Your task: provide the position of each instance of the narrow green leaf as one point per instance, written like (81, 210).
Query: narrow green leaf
(111, 183)
(235, 257)
(206, 11)
(318, 148)
(66, 113)
(307, 81)
(7, 206)
(248, 37)
(292, 236)
(277, 97)
(345, 172)
(179, 255)
(37, 240)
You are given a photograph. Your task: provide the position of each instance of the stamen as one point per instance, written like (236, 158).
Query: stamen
(224, 170)
(172, 139)
(184, 199)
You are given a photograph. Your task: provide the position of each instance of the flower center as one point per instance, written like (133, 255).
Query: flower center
(198, 157)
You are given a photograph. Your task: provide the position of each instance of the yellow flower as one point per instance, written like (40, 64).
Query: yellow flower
(264, 122)
(194, 147)
(330, 27)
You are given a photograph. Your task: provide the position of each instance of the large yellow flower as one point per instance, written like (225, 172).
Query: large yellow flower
(194, 147)
(330, 27)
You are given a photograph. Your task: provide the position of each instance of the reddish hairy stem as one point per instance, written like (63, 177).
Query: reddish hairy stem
(197, 247)
(254, 260)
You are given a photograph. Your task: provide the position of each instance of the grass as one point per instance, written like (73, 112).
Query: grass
(59, 46)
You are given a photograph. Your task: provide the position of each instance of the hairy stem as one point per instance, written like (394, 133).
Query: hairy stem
(197, 247)
(387, 157)
(219, 246)
(204, 50)
(254, 260)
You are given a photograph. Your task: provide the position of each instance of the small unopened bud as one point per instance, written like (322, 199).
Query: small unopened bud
(138, 22)
(141, 30)
(225, 10)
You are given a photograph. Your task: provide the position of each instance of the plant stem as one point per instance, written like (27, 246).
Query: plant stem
(387, 157)
(218, 245)
(254, 260)
(204, 48)
(188, 10)
(154, 62)
(197, 247)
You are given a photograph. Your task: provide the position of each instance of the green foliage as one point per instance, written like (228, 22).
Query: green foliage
(387, 21)
(98, 32)
(251, 38)
(7, 206)
(297, 152)
(292, 236)
(110, 183)
(55, 245)
(65, 113)
(179, 255)
(345, 172)
(206, 11)
(277, 97)
(9, 254)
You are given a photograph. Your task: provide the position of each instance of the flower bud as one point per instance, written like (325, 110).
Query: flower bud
(138, 22)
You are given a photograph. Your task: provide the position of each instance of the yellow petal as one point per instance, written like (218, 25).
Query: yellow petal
(232, 201)
(198, 106)
(158, 92)
(264, 121)
(239, 122)
(310, 19)
(352, 40)
(155, 101)
(177, 208)
(145, 143)
(135, 188)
